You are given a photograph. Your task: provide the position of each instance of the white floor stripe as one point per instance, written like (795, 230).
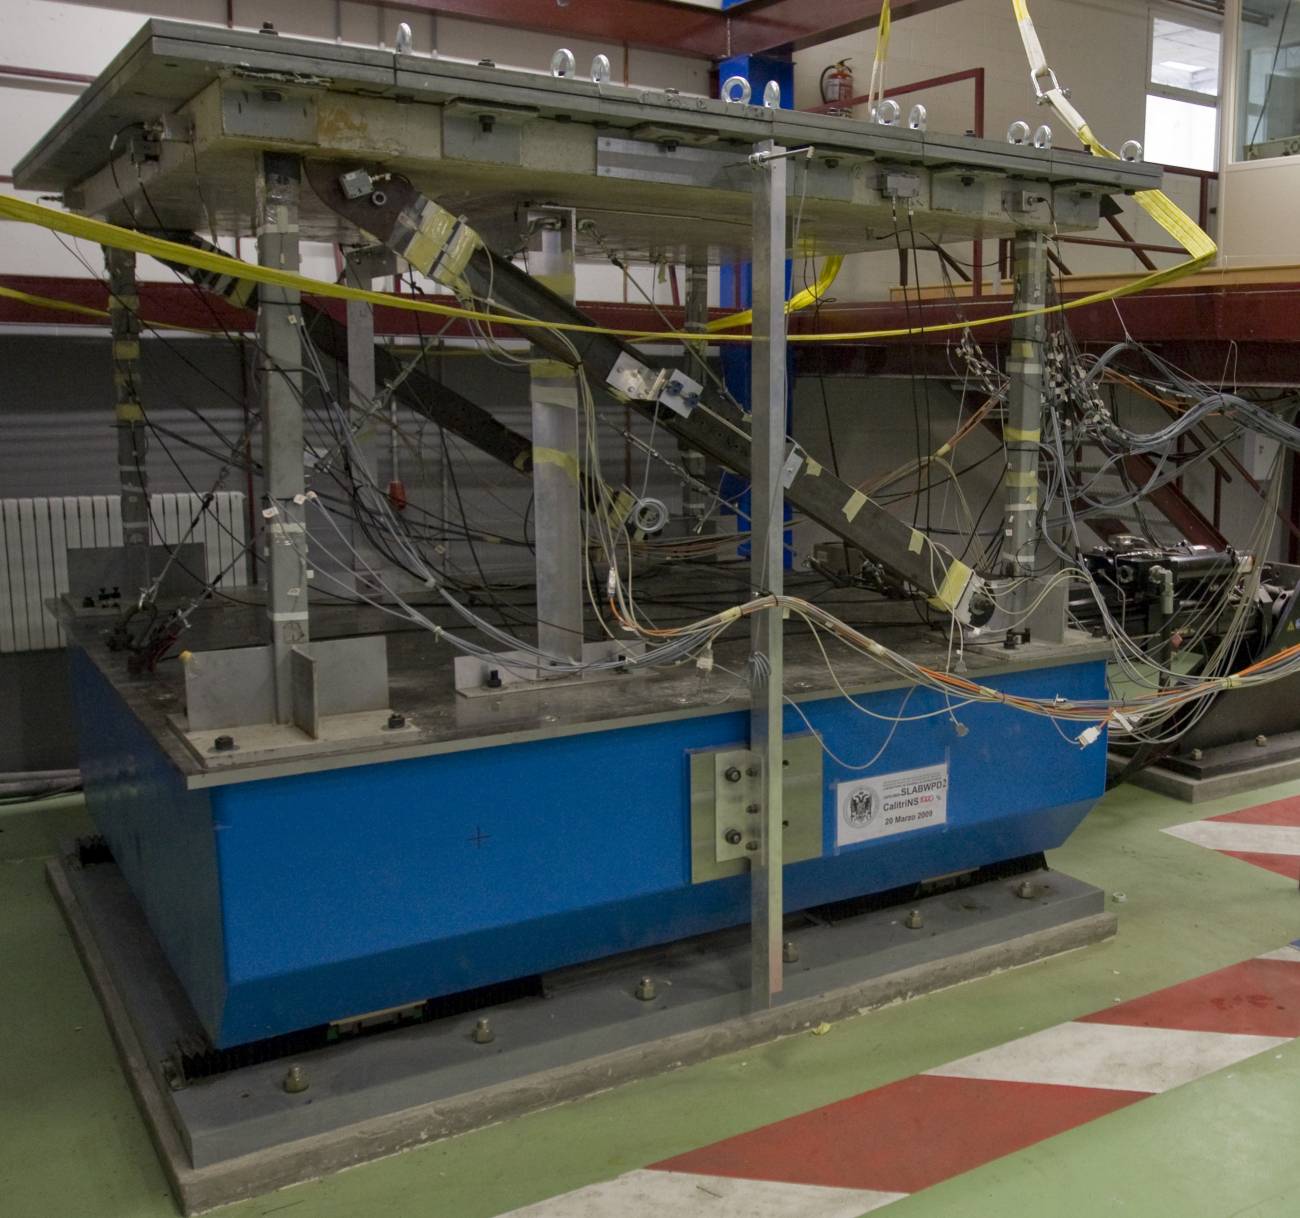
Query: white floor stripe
(1290, 953)
(671, 1194)
(1113, 1056)
(1235, 835)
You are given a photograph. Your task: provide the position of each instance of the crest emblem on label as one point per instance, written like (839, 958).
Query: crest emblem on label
(861, 807)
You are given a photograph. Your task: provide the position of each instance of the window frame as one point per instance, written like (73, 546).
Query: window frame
(1196, 21)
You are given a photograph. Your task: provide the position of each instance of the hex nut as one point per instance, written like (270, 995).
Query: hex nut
(295, 1080)
(483, 1033)
(223, 744)
(646, 989)
(1026, 890)
(914, 920)
(789, 952)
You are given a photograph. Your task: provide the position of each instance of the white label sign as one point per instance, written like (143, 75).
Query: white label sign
(868, 808)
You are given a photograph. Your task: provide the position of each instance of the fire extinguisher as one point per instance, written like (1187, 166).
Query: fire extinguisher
(837, 88)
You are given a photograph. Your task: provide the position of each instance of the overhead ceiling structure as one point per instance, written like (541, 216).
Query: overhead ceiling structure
(751, 28)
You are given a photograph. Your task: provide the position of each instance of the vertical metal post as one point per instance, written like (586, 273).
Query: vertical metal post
(361, 267)
(695, 502)
(132, 438)
(557, 506)
(767, 567)
(280, 369)
(1023, 427)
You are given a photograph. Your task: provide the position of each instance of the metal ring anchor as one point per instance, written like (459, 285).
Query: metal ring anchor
(1043, 138)
(888, 112)
(404, 39)
(919, 118)
(1018, 132)
(772, 95)
(736, 89)
(563, 63)
(1130, 150)
(600, 69)
(650, 515)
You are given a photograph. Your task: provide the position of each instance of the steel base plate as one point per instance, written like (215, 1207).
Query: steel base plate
(241, 1133)
(1224, 770)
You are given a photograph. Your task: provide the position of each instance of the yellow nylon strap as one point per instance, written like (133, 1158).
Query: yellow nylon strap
(68, 306)
(1159, 206)
(800, 300)
(882, 34)
(102, 233)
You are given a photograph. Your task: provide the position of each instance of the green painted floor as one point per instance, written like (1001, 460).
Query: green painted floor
(72, 1145)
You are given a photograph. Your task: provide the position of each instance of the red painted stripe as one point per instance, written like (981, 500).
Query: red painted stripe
(904, 1136)
(1256, 997)
(1279, 812)
(1284, 864)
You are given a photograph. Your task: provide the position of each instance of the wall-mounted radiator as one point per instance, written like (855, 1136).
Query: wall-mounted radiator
(36, 534)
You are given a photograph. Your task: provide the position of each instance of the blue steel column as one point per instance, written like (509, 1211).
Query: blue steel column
(767, 569)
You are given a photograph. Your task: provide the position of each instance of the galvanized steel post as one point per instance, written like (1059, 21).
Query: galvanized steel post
(767, 566)
(279, 324)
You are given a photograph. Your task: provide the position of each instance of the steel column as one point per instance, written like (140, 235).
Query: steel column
(696, 502)
(362, 266)
(132, 438)
(280, 365)
(557, 505)
(1023, 427)
(767, 566)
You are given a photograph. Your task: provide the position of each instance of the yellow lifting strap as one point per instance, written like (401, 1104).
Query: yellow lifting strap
(800, 300)
(1158, 205)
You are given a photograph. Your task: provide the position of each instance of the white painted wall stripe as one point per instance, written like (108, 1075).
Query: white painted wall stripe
(1238, 835)
(1290, 953)
(1112, 1056)
(670, 1194)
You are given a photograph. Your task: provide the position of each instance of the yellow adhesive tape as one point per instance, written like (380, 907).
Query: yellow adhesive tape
(854, 505)
(1017, 477)
(949, 593)
(1016, 435)
(554, 456)
(812, 468)
(916, 542)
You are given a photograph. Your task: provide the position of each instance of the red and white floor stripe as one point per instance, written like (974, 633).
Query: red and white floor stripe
(1267, 836)
(860, 1154)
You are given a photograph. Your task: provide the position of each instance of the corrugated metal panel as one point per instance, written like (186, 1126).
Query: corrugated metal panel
(36, 534)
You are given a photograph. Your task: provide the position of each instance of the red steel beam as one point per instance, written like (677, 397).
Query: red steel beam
(790, 25)
(683, 29)
(1195, 328)
(658, 25)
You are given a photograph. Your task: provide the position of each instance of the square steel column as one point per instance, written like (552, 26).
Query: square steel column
(1022, 430)
(362, 266)
(132, 438)
(280, 368)
(557, 506)
(767, 567)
